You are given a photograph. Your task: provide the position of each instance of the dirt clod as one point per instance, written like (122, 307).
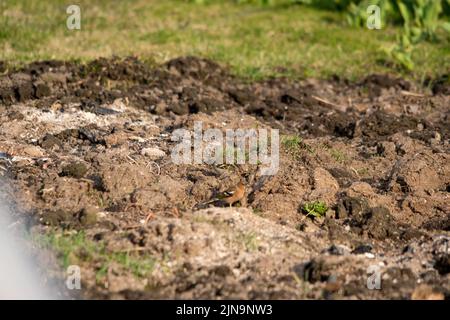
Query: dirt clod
(75, 170)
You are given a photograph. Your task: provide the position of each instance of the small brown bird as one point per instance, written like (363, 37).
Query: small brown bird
(237, 195)
(229, 197)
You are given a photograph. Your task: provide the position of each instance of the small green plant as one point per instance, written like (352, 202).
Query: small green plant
(294, 144)
(421, 19)
(316, 209)
(139, 266)
(420, 22)
(249, 240)
(257, 211)
(401, 52)
(362, 171)
(76, 248)
(338, 155)
(291, 142)
(357, 14)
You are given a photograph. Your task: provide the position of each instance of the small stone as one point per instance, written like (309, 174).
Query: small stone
(413, 109)
(437, 136)
(117, 138)
(49, 141)
(102, 111)
(362, 249)
(331, 214)
(32, 151)
(153, 153)
(137, 139)
(338, 250)
(102, 214)
(119, 105)
(441, 245)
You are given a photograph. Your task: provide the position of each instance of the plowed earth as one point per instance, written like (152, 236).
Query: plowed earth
(88, 148)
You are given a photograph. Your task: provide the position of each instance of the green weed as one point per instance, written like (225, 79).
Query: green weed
(316, 209)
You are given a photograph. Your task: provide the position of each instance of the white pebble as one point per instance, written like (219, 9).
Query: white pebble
(153, 153)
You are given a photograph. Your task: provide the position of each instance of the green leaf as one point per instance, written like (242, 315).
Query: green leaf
(404, 11)
(446, 26)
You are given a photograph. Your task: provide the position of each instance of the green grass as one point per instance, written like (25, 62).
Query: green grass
(291, 142)
(77, 249)
(294, 145)
(338, 155)
(257, 211)
(249, 240)
(253, 41)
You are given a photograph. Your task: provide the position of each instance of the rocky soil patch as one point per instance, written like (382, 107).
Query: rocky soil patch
(87, 152)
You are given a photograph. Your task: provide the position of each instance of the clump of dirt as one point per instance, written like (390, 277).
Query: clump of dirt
(75, 170)
(88, 147)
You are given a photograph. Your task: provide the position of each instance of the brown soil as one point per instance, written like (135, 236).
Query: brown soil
(87, 147)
